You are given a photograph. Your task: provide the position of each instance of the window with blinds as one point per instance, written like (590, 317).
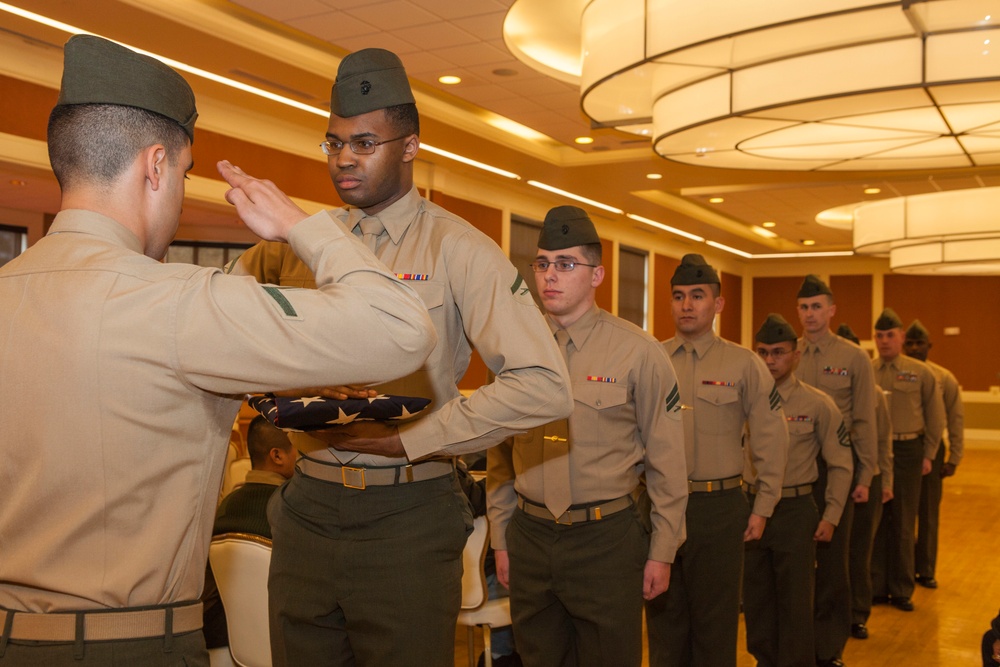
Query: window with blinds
(632, 286)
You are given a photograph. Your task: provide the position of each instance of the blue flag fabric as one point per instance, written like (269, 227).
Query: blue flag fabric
(313, 413)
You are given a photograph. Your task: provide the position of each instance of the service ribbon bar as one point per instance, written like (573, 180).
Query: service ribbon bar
(719, 383)
(600, 378)
(829, 370)
(413, 276)
(800, 418)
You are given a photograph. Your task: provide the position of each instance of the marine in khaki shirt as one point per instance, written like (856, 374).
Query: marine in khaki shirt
(917, 414)
(626, 421)
(778, 575)
(122, 375)
(373, 518)
(917, 345)
(868, 514)
(843, 371)
(724, 389)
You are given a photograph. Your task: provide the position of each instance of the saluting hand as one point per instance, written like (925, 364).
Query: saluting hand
(266, 210)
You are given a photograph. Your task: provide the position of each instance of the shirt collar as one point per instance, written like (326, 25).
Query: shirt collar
(824, 342)
(80, 221)
(786, 388)
(701, 345)
(580, 330)
(265, 477)
(396, 218)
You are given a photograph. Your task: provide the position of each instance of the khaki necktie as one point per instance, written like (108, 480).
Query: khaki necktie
(557, 494)
(686, 377)
(371, 228)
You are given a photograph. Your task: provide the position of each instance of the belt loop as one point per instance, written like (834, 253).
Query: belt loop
(78, 640)
(8, 623)
(395, 477)
(168, 630)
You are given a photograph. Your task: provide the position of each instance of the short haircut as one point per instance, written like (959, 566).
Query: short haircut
(96, 143)
(404, 118)
(262, 437)
(593, 252)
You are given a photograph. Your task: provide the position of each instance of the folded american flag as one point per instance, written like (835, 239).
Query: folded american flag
(312, 413)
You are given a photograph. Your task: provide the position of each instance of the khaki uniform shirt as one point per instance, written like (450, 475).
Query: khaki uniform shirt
(725, 387)
(842, 369)
(951, 392)
(121, 380)
(915, 403)
(475, 297)
(884, 428)
(626, 419)
(815, 427)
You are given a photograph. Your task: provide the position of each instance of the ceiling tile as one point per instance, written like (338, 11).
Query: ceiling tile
(332, 26)
(393, 15)
(487, 27)
(435, 35)
(455, 9)
(286, 10)
(381, 40)
(471, 55)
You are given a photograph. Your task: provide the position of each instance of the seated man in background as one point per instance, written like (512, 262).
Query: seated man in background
(272, 461)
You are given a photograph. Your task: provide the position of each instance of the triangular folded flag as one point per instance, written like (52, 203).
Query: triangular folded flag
(313, 413)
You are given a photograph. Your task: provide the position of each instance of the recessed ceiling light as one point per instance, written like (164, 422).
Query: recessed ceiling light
(716, 200)
(584, 140)
(654, 177)
(872, 191)
(808, 242)
(449, 79)
(768, 224)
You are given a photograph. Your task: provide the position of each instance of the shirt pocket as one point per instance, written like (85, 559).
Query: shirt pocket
(717, 410)
(834, 382)
(799, 431)
(600, 395)
(431, 293)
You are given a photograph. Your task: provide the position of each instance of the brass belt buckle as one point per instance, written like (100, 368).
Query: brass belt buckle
(567, 522)
(353, 478)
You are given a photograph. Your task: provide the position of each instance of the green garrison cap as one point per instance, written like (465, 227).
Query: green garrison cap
(888, 320)
(567, 227)
(369, 80)
(775, 330)
(98, 71)
(918, 331)
(813, 286)
(694, 270)
(845, 331)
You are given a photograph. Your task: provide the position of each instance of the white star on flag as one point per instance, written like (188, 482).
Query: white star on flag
(306, 400)
(343, 417)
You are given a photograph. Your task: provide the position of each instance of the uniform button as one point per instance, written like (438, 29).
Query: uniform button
(598, 404)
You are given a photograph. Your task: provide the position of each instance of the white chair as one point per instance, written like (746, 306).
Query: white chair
(477, 608)
(240, 563)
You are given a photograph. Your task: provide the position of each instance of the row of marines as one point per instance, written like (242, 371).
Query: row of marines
(628, 469)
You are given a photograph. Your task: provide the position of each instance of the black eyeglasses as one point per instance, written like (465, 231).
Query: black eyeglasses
(358, 146)
(777, 353)
(563, 265)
